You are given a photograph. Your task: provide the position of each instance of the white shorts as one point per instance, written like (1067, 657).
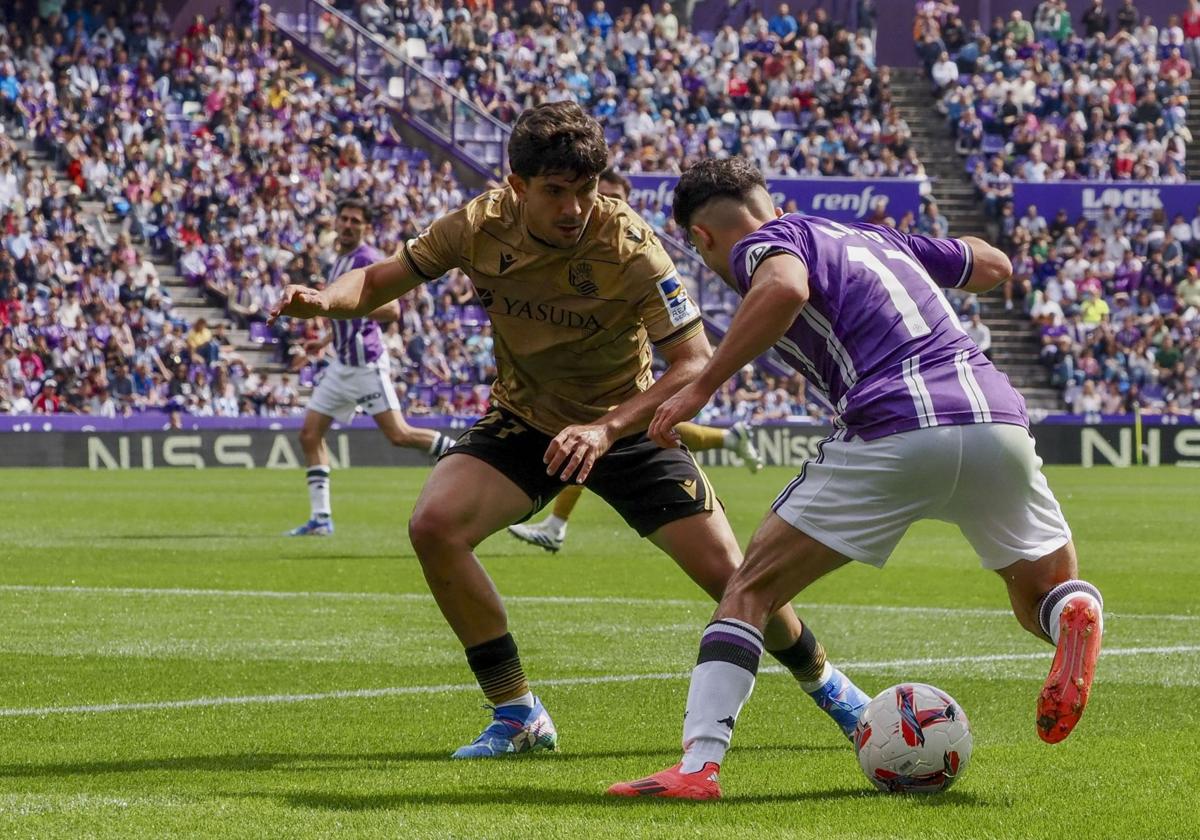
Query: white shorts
(859, 497)
(345, 388)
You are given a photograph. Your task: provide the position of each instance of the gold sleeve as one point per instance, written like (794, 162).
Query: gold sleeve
(438, 248)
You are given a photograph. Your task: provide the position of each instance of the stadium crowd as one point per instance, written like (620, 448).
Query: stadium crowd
(1116, 303)
(1115, 300)
(1050, 99)
(797, 92)
(237, 192)
(218, 152)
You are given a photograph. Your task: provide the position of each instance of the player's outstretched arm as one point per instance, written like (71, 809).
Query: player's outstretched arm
(387, 313)
(353, 295)
(990, 267)
(778, 293)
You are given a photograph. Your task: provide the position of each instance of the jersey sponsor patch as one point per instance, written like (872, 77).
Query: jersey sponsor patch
(674, 294)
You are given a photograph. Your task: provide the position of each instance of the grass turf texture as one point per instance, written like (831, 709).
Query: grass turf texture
(378, 765)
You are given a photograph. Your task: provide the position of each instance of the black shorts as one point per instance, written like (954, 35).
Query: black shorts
(648, 485)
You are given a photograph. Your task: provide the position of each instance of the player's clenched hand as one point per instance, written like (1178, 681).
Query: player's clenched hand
(575, 451)
(298, 302)
(680, 408)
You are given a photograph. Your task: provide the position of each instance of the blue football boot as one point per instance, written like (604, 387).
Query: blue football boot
(842, 700)
(312, 528)
(514, 729)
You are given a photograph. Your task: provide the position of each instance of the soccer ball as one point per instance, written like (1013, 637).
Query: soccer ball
(913, 738)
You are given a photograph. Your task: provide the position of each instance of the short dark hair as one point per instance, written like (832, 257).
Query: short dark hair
(612, 176)
(710, 179)
(356, 202)
(557, 138)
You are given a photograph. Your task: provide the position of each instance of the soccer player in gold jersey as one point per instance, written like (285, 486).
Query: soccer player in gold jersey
(551, 532)
(578, 288)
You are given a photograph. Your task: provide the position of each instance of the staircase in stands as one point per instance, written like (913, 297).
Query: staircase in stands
(1193, 125)
(1014, 342)
(188, 302)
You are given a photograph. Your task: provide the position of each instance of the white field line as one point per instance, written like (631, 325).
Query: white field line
(384, 597)
(397, 691)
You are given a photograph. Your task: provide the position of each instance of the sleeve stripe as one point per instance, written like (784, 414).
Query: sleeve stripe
(682, 334)
(413, 264)
(968, 265)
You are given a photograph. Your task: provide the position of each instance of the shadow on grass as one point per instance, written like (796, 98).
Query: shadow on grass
(502, 794)
(304, 762)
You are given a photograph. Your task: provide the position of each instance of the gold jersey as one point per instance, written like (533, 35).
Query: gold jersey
(572, 326)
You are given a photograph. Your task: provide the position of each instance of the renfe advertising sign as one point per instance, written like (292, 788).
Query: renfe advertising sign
(1088, 199)
(840, 199)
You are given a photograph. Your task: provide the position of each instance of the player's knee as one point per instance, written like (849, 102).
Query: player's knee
(429, 531)
(309, 438)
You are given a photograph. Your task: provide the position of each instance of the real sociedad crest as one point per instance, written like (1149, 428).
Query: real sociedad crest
(581, 279)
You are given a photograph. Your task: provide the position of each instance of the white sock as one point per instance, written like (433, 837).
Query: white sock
(721, 683)
(1057, 598)
(318, 492)
(525, 700)
(730, 440)
(555, 525)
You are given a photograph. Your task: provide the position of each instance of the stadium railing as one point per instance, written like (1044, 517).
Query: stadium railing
(428, 103)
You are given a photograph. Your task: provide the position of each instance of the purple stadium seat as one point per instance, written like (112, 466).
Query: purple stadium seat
(307, 376)
(260, 333)
(473, 316)
(993, 144)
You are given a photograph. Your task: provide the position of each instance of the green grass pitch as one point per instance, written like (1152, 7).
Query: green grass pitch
(328, 692)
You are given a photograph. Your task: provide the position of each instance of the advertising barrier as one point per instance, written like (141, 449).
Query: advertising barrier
(1088, 199)
(274, 446)
(840, 199)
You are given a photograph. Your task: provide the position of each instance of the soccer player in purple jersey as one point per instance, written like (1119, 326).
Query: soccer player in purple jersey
(927, 428)
(360, 375)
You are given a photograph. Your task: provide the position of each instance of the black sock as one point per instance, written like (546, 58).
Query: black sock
(805, 659)
(498, 668)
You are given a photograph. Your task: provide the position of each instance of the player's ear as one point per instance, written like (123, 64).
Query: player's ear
(518, 184)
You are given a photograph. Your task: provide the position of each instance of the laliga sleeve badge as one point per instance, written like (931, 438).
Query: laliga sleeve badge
(679, 305)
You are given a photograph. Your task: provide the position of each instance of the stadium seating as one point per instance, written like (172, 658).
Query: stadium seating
(793, 93)
(1116, 304)
(1055, 102)
(1115, 301)
(178, 163)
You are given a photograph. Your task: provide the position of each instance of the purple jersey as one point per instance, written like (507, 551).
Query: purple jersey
(357, 341)
(878, 336)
